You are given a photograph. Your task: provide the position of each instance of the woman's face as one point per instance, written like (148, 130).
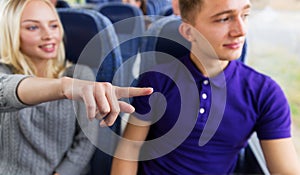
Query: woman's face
(40, 33)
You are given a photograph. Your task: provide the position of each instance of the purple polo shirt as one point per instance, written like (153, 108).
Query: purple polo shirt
(199, 125)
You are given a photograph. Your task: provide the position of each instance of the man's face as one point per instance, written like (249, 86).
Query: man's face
(223, 24)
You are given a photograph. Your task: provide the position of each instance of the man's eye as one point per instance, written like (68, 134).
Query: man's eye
(221, 20)
(245, 16)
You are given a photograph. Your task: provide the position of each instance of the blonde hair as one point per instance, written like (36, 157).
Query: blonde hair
(11, 54)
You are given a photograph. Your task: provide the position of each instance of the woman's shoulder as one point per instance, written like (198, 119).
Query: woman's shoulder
(5, 68)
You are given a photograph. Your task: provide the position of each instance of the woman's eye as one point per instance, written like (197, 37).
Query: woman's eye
(54, 26)
(31, 28)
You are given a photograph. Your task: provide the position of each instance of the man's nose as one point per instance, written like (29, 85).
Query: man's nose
(238, 28)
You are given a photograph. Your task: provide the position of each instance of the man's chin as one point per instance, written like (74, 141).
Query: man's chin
(230, 58)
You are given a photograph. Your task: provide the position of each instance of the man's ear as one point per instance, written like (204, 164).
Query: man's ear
(185, 30)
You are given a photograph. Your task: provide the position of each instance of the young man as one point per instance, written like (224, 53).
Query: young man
(211, 104)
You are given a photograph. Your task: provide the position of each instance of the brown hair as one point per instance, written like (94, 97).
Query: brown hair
(189, 9)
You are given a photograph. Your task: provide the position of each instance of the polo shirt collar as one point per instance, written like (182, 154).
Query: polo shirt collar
(218, 80)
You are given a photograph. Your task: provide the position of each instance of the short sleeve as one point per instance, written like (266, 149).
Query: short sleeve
(141, 103)
(275, 119)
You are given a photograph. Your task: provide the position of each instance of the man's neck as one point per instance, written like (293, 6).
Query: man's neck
(209, 67)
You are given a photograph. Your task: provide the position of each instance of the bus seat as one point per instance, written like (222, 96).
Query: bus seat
(166, 11)
(162, 36)
(251, 159)
(90, 39)
(82, 27)
(154, 7)
(95, 1)
(129, 24)
(62, 4)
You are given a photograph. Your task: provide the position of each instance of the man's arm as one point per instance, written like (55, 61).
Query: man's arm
(281, 156)
(125, 161)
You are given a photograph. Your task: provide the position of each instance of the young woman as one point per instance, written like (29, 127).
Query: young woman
(39, 132)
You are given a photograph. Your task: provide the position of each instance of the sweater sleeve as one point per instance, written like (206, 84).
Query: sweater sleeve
(9, 100)
(78, 156)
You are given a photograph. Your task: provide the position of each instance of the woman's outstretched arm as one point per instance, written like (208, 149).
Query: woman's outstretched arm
(101, 98)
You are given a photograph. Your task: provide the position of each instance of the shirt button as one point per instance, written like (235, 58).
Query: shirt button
(204, 96)
(205, 82)
(202, 110)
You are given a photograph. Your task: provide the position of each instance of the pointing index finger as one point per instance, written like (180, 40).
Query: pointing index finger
(127, 92)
